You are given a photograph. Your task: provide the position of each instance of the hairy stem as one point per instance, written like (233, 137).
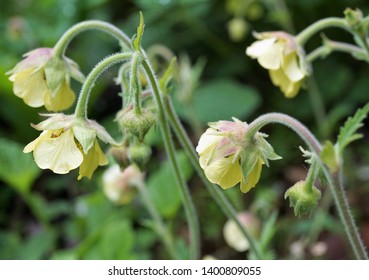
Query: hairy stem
(333, 179)
(62, 44)
(169, 146)
(81, 107)
(319, 25)
(214, 190)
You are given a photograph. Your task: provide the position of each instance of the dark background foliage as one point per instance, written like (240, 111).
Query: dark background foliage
(49, 216)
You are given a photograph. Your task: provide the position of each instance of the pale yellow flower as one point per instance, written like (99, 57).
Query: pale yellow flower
(283, 57)
(44, 80)
(222, 151)
(66, 143)
(119, 186)
(233, 235)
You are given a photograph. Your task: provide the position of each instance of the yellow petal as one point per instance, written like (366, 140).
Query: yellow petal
(30, 86)
(252, 178)
(91, 161)
(260, 48)
(31, 146)
(272, 59)
(58, 153)
(206, 146)
(291, 68)
(224, 172)
(268, 52)
(290, 89)
(64, 98)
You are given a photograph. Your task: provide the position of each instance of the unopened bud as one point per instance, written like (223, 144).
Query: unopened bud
(120, 155)
(353, 17)
(303, 200)
(139, 154)
(237, 29)
(137, 124)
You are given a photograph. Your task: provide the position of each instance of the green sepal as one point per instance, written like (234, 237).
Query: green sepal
(266, 150)
(73, 70)
(249, 159)
(56, 73)
(329, 156)
(165, 79)
(84, 136)
(136, 40)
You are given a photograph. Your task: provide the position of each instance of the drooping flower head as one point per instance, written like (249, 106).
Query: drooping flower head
(283, 57)
(228, 158)
(42, 79)
(67, 143)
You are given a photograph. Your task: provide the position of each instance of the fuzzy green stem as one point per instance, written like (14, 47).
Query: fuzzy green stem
(160, 226)
(62, 44)
(311, 176)
(332, 179)
(332, 46)
(134, 86)
(81, 107)
(181, 183)
(319, 25)
(214, 190)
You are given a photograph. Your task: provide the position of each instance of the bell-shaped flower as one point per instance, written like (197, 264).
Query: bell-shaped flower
(67, 143)
(42, 79)
(283, 57)
(228, 159)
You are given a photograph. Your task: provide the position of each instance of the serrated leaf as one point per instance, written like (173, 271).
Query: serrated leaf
(328, 156)
(16, 168)
(348, 130)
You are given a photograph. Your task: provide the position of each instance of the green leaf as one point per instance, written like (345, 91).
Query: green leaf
(116, 241)
(38, 245)
(162, 186)
(16, 168)
(348, 130)
(223, 99)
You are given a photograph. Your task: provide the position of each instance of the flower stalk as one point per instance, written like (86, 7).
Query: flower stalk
(333, 179)
(81, 107)
(169, 146)
(62, 44)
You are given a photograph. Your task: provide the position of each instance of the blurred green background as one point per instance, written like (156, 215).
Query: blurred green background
(49, 216)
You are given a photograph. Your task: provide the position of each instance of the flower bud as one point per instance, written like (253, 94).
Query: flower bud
(237, 29)
(120, 155)
(302, 199)
(119, 186)
(139, 154)
(353, 17)
(137, 124)
(234, 237)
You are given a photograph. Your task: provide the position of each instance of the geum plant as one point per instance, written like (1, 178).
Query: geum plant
(229, 152)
